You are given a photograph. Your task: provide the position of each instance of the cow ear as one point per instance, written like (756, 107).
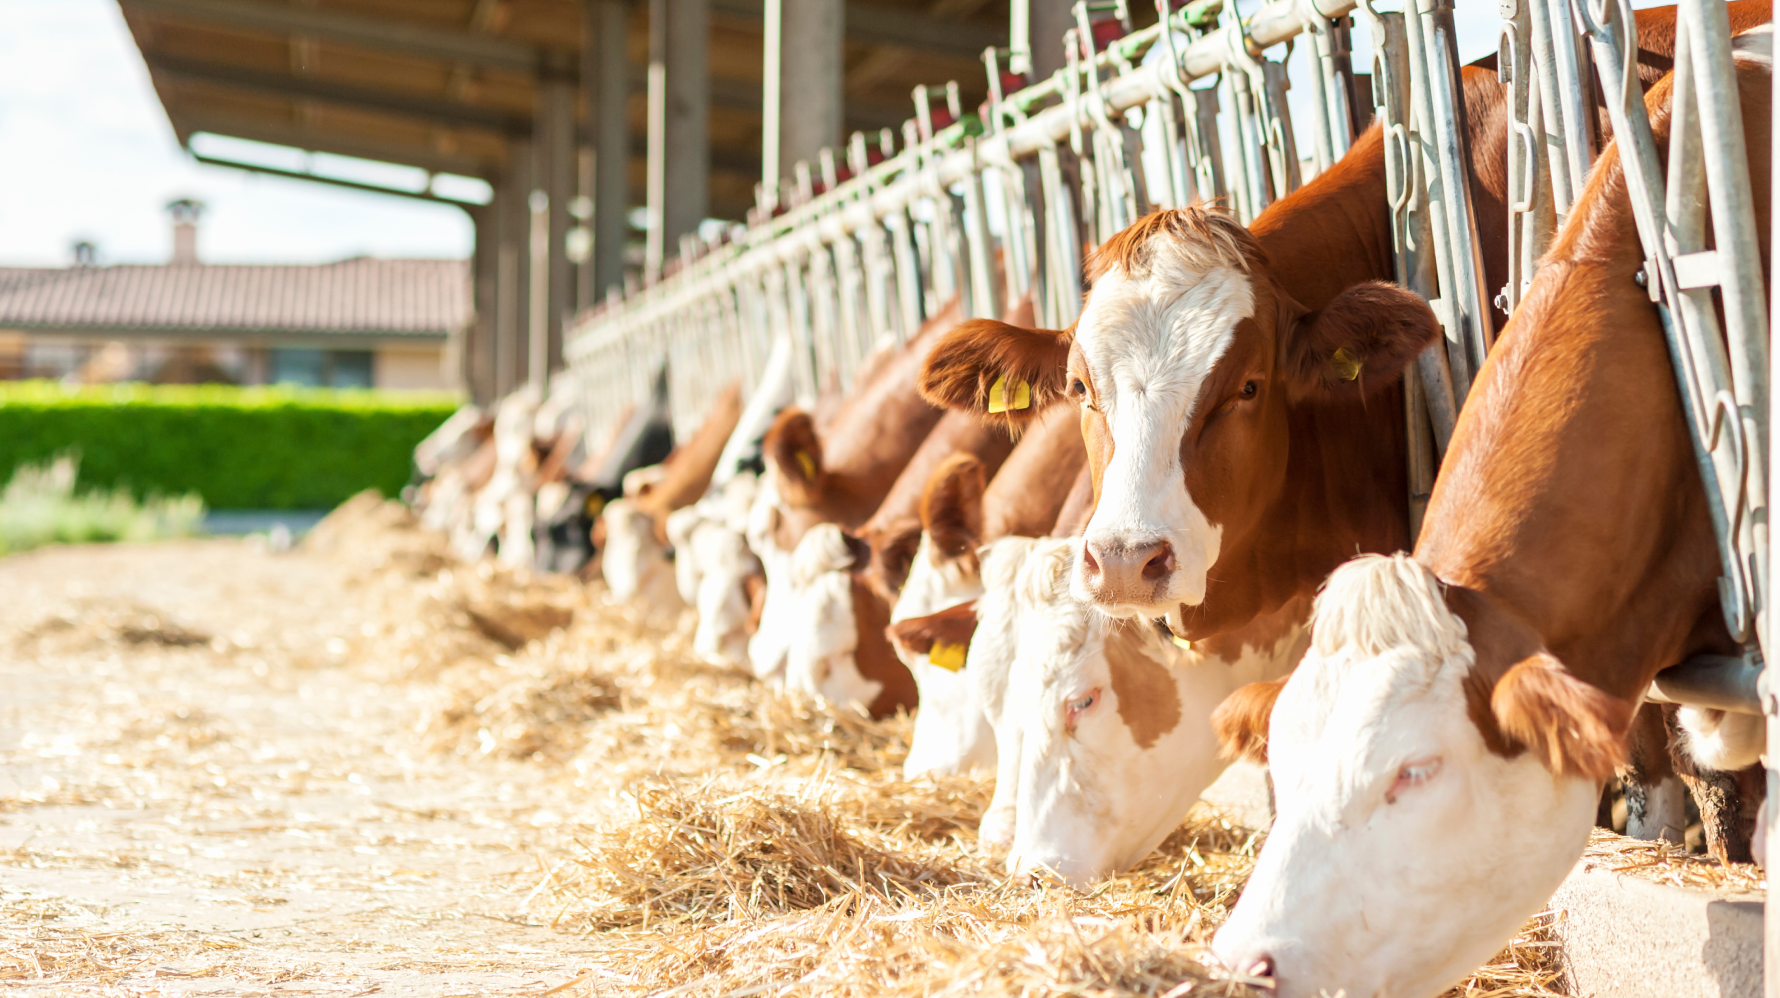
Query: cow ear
(952, 505)
(889, 560)
(1241, 721)
(1575, 728)
(1358, 343)
(1004, 372)
(794, 449)
(950, 630)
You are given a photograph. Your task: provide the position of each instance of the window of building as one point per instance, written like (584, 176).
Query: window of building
(321, 368)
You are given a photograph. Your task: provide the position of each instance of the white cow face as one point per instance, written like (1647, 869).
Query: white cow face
(1118, 739)
(993, 648)
(771, 643)
(716, 572)
(635, 564)
(952, 732)
(1405, 852)
(724, 605)
(820, 657)
(1144, 348)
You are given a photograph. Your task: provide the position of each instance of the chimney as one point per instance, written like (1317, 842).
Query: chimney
(185, 213)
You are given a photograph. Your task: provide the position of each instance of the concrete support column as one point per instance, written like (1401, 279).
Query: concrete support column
(1048, 19)
(803, 103)
(679, 124)
(478, 359)
(605, 74)
(513, 268)
(555, 177)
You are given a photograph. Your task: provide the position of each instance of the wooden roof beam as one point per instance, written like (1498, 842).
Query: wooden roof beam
(439, 111)
(356, 29)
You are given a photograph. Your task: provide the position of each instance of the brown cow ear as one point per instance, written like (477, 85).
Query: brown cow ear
(951, 628)
(1575, 728)
(1359, 342)
(1004, 372)
(952, 505)
(1241, 721)
(793, 448)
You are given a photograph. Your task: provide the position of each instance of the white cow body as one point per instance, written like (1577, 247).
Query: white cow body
(1377, 767)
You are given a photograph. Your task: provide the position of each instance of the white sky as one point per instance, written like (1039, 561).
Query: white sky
(86, 153)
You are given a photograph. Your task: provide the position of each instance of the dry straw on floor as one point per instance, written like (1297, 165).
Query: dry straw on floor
(742, 840)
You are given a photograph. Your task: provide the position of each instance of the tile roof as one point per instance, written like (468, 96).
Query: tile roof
(362, 296)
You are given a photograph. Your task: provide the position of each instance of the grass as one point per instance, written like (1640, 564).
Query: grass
(41, 505)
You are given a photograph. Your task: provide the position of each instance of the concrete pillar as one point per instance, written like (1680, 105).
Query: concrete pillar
(554, 138)
(1048, 20)
(802, 103)
(513, 269)
(679, 120)
(479, 359)
(606, 76)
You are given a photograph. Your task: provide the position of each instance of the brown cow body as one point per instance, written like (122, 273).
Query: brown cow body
(1487, 684)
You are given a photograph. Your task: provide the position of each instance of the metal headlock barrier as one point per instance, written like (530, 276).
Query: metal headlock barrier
(987, 211)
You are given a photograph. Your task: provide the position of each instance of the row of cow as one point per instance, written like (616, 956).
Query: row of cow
(1100, 562)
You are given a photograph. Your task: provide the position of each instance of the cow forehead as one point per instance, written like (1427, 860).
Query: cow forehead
(1163, 331)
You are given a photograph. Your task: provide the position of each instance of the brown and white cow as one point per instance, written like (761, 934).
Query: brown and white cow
(1241, 404)
(960, 512)
(815, 486)
(1438, 755)
(636, 562)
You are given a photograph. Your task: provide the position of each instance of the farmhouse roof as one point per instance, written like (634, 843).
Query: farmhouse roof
(420, 299)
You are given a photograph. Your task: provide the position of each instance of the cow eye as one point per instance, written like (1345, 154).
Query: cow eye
(1077, 390)
(1249, 388)
(1411, 775)
(1075, 708)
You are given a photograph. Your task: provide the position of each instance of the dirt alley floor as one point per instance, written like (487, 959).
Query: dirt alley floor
(201, 794)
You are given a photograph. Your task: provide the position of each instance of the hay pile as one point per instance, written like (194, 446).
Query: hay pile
(739, 840)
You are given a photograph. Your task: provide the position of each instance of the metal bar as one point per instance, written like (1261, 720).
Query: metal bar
(422, 195)
(1717, 682)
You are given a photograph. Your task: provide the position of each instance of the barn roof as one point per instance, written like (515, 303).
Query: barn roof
(450, 85)
(364, 297)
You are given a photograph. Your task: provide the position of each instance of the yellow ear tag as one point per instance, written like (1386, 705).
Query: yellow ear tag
(998, 395)
(947, 656)
(1346, 367)
(595, 503)
(1182, 643)
(808, 464)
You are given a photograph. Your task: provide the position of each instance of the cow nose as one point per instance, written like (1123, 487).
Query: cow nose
(1118, 570)
(1256, 966)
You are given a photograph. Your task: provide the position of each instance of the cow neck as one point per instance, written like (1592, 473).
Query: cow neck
(1346, 481)
(1026, 496)
(1334, 232)
(1569, 515)
(877, 433)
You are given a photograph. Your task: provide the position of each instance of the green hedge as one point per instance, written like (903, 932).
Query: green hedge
(238, 448)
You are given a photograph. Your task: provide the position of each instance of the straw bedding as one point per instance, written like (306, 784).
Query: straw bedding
(740, 840)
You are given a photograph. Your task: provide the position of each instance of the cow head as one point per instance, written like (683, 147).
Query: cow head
(1117, 741)
(635, 563)
(1186, 361)
(787, 503)
(934, 610)
(1408, 773)
(717, 575)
